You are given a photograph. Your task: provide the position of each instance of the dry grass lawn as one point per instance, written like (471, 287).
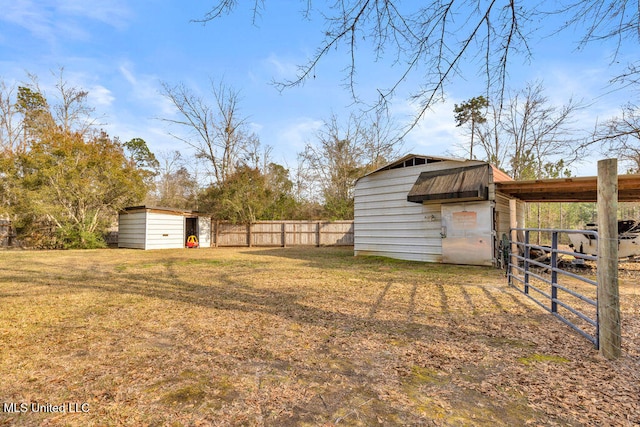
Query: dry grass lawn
(294, 337)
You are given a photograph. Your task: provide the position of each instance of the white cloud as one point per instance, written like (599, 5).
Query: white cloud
(281, 69)
(255, 127)
(34, 18)
(144, 88)
(114, 13)
(63, 19)
(436, 132)
(127, 74)
(298, 133)
(288, 138)
(100, 96)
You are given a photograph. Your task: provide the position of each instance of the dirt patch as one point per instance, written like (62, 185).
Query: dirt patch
(295, 337)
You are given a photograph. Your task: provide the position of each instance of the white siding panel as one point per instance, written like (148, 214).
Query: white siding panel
(131, 230)
(407, 253)
(386, 224)
(164, 231)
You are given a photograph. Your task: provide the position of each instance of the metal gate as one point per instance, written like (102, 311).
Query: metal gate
(542, 273)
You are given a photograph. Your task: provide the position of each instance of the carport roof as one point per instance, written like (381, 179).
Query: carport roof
(579, 189)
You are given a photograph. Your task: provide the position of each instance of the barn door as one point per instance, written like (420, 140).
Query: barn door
(466, 233)
(204, 231)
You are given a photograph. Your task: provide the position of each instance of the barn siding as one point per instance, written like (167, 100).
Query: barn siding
(502, 215)
(386, 224)
(502, 206)
(164, 231)
(131, 230)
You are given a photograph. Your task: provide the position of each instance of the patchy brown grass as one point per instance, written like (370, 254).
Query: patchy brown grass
(295, 337)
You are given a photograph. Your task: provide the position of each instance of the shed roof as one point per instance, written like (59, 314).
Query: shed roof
(412, 160)
(420, 159)
(462, 183)
(158, 209)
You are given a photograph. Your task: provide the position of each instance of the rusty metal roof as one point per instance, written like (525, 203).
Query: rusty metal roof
(456, 184)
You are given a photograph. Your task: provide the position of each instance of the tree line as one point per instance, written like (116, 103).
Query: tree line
(244, 184)
(528, 137)
(436, 41)
(63, 179)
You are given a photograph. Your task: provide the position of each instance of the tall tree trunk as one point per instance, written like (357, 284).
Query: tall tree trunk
(473, 131)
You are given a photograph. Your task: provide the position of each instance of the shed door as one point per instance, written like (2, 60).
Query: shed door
(466, 233)
(204, 231)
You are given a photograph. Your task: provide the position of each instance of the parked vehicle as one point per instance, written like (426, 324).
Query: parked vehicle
(628, 239)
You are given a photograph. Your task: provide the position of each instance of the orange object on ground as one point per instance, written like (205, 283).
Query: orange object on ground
(192, 241)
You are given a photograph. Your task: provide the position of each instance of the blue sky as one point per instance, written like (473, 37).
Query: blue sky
(121, 51)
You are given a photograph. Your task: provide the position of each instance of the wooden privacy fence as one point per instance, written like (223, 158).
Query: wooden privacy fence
(282, 233)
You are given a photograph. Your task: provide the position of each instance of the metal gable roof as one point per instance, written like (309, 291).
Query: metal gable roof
(158, 209)
(412, 160)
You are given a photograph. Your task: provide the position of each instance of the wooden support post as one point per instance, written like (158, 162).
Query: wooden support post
(609, 333)
(284, 234)
(217, 233)
(249, 236)
(527, 257)
(513, 223)
(318, 234)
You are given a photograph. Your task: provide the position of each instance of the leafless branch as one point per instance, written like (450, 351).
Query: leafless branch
(440, 38)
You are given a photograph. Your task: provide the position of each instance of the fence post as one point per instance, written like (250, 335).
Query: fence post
(609, 332)
(249, 236)
(554, 272)
(318, 233)
(284, 234)
(217, 233)
(525, 264)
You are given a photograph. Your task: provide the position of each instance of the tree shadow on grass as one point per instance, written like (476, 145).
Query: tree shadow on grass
(394, 317)
(228, 289)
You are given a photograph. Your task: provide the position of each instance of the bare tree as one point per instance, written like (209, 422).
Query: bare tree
(72, 111)
(216, 131)
(67, 109)
(488, 133)
(379, 138)
(341, 154)
(175, 186)
(10, 123)
(620, 137)
(528, 136)
(538, 132)
(336, 156)
(438, 39)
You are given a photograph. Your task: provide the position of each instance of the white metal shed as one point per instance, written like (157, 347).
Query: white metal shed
(146, 227)
(433, 209)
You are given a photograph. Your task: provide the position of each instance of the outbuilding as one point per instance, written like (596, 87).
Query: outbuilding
(433, 209)
(147, 227)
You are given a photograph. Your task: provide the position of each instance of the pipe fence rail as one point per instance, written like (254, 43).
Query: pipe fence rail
(569, 296)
